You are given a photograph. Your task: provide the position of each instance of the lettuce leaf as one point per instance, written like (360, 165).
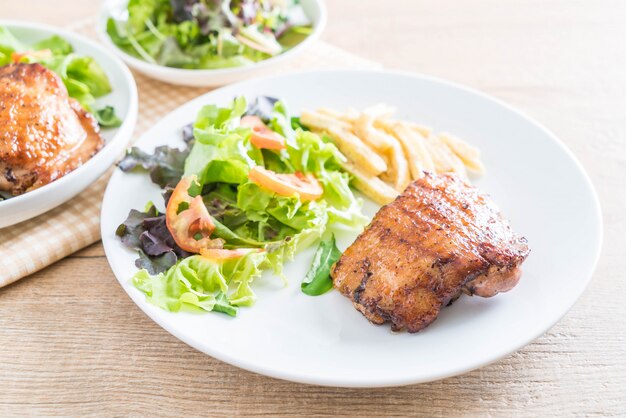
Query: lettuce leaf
(139, 11)
(218, 163)
(275, 217)
(84, 78)
(212, 63)
(317, 280)
(222, 152)
(87, 71)
(8, 45)
(294, 35)
(107, 118)
(214, 124)
(291, 245)
(198, 283)
(165, 164)
(146, 233)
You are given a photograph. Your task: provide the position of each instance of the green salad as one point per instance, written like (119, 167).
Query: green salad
(251, 189)
(208, 34)
(83, 77)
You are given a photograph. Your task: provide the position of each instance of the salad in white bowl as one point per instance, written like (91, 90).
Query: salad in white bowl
(208, 42)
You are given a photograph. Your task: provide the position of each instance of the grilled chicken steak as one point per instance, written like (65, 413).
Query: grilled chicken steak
(439, 238)
(44, 134)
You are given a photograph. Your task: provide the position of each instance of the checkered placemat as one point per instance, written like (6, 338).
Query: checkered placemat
(34, 244)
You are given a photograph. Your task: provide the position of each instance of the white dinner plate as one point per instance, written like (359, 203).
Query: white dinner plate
(323, 340)
(315, 10)
(123, 98)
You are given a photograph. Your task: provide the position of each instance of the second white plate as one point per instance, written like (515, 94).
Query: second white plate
(536, 181)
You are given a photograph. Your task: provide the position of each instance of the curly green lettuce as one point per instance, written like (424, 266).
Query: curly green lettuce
(201, 284)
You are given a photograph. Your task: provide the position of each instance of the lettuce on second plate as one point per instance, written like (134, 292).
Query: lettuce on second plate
(208, 34)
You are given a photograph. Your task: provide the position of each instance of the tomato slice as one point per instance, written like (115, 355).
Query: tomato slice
(42, 53)
(307, 186)
(262, 136)
(191, 221)
(219, 255)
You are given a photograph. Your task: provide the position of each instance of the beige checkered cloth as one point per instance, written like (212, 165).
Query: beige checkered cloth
(34, 244)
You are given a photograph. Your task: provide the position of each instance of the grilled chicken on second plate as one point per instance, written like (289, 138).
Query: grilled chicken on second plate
(44, 134)
(439, 238)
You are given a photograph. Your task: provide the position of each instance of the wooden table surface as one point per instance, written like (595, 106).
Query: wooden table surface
(72, 343)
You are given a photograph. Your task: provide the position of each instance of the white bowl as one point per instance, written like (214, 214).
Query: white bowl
(314, 9)
(123, 98)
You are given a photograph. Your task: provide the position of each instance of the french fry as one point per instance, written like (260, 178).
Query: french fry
(317, 121)
(399, 174)
(349, 116)
(444, 159)
(380, 110)
(414, 148)
(384, 154)
(387, 124)
(356, 151)
(425, 131)
(469, 154)
(378, 140)
(371, 186)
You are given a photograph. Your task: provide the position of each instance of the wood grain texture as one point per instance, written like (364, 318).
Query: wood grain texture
(72, 343)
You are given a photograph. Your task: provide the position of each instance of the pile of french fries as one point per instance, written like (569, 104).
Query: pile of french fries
(385, 154)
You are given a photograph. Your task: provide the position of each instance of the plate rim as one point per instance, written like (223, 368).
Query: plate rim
(192, 341)
(120, 139)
